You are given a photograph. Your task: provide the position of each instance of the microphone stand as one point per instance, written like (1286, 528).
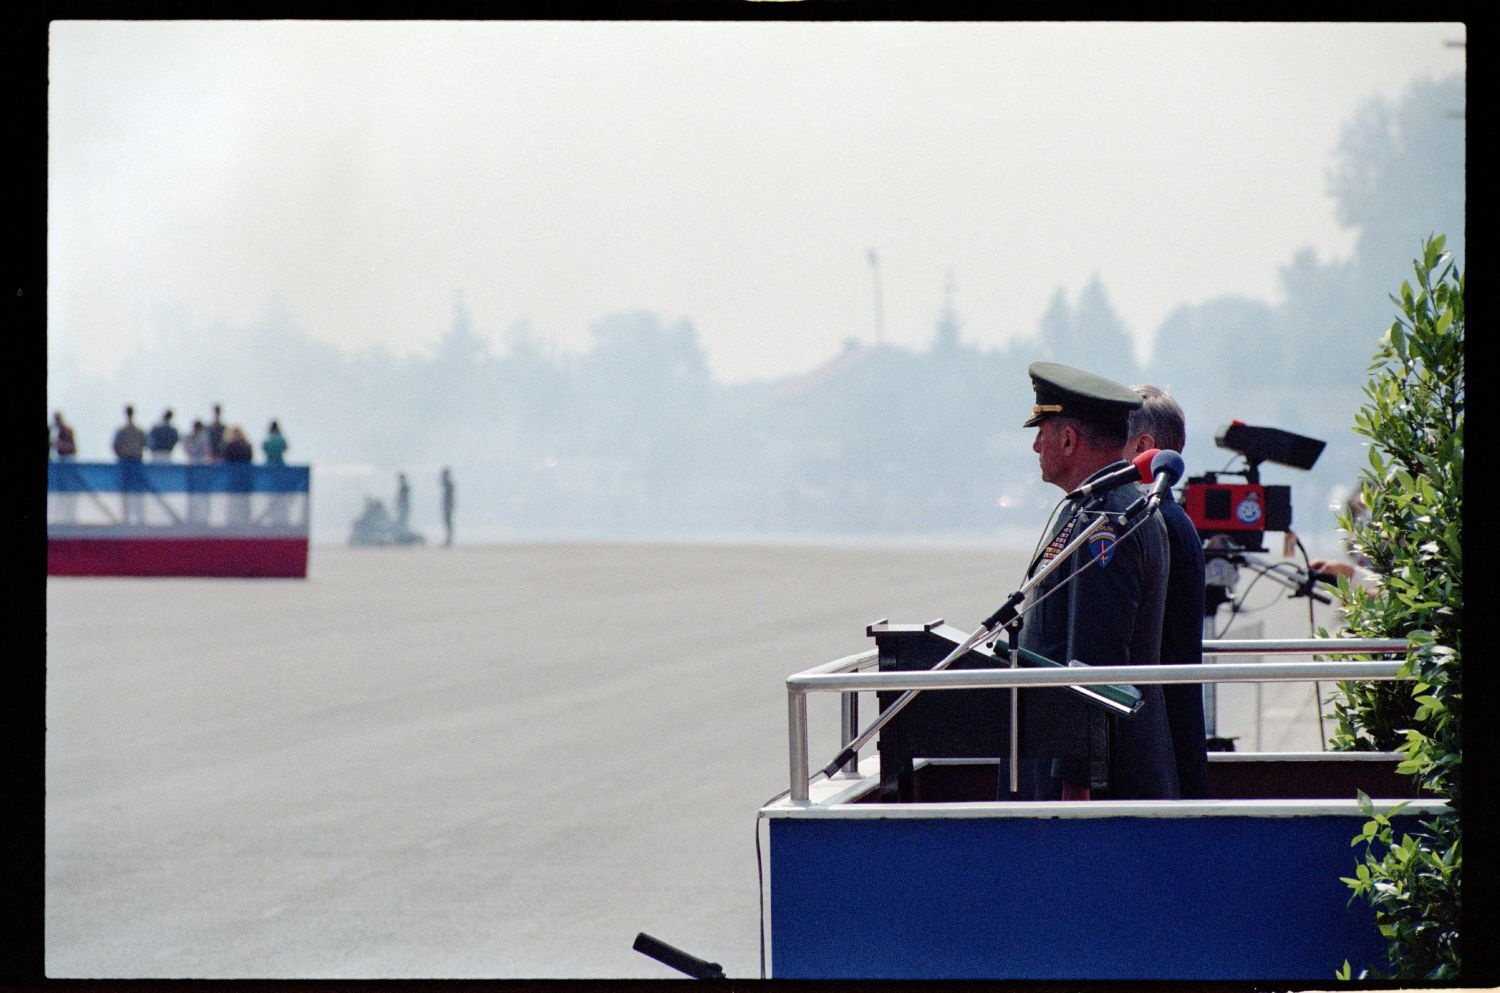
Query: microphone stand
(1009, 617)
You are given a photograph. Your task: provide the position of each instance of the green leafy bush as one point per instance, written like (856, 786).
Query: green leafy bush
(1412, 539)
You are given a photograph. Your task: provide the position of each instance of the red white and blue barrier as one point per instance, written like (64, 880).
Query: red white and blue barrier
(165, 519)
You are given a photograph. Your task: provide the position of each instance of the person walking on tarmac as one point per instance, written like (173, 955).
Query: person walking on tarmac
(447, 481)
(403, 502)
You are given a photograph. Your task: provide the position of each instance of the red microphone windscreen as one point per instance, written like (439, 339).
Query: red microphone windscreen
(1143, 461)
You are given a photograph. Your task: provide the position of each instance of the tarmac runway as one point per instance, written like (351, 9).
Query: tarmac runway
(472, 762)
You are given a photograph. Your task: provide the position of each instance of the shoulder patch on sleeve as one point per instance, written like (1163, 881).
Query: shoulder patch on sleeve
(1102, 544)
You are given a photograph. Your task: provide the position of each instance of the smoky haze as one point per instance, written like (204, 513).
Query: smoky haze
(739, 414)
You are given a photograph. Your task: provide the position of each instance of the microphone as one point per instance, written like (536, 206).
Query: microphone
(1138, 471)
(1167, 467)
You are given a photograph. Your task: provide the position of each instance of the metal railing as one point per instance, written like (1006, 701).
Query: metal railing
(843, 675)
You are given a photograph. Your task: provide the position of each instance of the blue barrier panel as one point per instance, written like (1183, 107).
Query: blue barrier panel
(166, 477)
(1123, 898)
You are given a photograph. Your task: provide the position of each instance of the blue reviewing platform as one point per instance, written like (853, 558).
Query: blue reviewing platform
(1221, 889)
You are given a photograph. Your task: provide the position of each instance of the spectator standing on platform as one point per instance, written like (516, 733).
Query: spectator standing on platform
(403, 502)
(275, 445)
(199, 452)
(237, 447)
(237, 454)
(162, 438)
(63, 443)
(130, 440)
(1159, 423)
(129, 446)
(196, 445)
(216, 435)
(447, 481)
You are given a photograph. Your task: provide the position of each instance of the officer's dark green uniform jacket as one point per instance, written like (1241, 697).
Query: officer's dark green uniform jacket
(1111, 614)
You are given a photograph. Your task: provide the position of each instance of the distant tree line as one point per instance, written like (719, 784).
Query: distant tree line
(633, 436)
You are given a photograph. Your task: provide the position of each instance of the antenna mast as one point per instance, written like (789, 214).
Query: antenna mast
(879, 315)
(947, 325)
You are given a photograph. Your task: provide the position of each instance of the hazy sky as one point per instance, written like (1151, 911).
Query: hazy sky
(364, 173)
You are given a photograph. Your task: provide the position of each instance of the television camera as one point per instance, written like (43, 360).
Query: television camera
(1243, 512)
(1232, 518)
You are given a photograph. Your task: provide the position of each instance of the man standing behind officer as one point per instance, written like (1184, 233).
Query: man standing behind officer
(1108, 613)
(1159, 423)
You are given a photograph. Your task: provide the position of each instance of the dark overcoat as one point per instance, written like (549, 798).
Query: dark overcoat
(1182, 644)
(1109, 613)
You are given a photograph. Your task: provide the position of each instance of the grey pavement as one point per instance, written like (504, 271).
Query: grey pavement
(476, 762)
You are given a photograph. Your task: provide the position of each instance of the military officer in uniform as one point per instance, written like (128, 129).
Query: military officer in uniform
(1109, 611)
